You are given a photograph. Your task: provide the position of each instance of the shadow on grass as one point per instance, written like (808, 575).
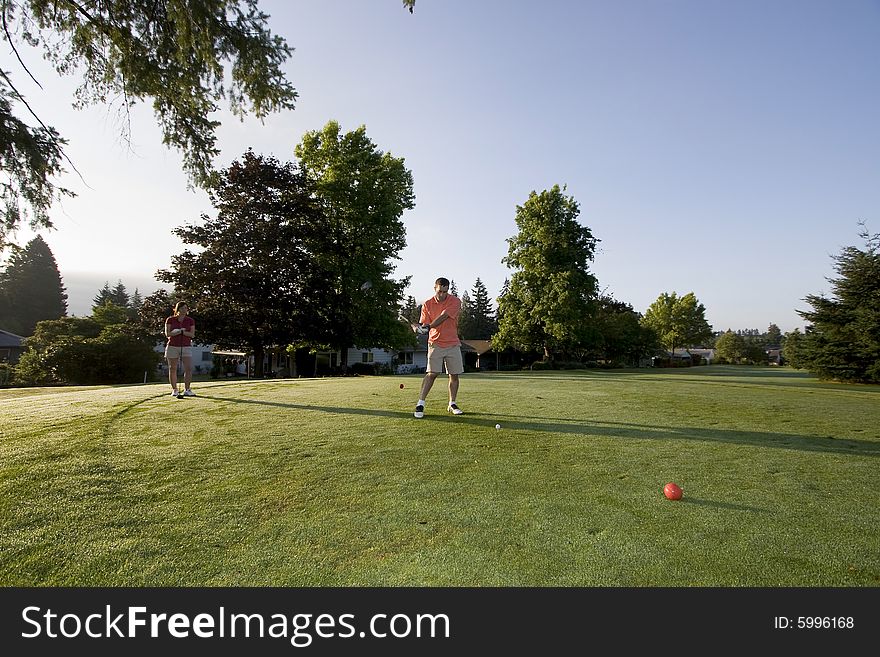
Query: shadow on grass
(729, 375)
(723, 505)
(606, 429)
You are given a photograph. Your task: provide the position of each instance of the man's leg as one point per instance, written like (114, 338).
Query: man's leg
(454, 367)
(427, 384)
(453, 387)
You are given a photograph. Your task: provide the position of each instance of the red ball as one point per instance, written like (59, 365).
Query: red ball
(672, 491)
(401, 386)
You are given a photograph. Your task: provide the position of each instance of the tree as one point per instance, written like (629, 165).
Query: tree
(153, 312)
(253, 281)
(792, 349)
(172, 52)
(477, 321)
(362, 193)
(31, 159)
(411, 310)
(843, 339)
(31, 288)
(117, 295)
(730, 347)
(551, 297)
(134, 304)
(505, 288)
(623, 340)
(678, 321)
(109, 314)
(773, 337)
(465, 320)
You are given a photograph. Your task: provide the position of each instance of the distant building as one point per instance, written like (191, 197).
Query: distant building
(11, 347)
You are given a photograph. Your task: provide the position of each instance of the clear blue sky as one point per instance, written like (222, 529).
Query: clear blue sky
(724, 148)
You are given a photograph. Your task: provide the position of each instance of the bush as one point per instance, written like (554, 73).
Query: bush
(542, 365)
(363, 369)
(7, 375)
(114, 356)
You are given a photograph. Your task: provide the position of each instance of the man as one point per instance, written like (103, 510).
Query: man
(440, 318)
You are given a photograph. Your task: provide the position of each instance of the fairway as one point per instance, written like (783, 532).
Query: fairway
(332, 482)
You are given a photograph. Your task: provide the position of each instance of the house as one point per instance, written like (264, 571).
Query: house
(11, 347)
(684, 357)
(413, 360)
(707, 355)
(480, 355)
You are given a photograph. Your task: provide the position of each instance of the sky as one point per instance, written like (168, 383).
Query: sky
(728, 149)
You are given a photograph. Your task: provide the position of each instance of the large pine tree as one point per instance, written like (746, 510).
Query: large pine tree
(843, 339)
(477, 322)
(31, 289)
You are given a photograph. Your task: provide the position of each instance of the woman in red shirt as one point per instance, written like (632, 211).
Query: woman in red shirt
(180, 330)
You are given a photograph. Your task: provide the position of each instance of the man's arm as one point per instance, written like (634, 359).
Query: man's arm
(442, 317)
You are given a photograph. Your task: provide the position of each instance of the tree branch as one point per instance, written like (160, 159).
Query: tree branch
(15, 50)
(40, 121)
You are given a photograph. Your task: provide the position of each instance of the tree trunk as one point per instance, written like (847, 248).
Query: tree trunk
(259, 353)
(343, 359)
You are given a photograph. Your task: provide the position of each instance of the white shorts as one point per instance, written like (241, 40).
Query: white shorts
(173, 353)
(449, 355)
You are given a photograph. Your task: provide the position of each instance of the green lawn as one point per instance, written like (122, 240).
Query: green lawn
(320, 482)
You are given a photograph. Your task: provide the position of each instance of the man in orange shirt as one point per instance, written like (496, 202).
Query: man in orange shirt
(440, 317)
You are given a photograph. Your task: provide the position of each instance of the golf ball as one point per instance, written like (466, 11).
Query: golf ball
(497, 426)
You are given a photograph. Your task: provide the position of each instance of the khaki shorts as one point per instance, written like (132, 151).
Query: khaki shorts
(450, 355)
(178, 352)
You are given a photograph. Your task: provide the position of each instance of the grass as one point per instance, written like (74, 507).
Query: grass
(332, 482)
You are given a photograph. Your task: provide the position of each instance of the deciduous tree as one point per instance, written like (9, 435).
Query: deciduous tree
(362, 193)
(548, 305)
(253, 280)
(678, 321)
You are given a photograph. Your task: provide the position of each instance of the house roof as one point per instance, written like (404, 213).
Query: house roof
(685, 352)
(480, 346)
(8, 339)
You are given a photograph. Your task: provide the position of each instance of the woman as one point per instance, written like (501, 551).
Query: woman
(180, 330)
